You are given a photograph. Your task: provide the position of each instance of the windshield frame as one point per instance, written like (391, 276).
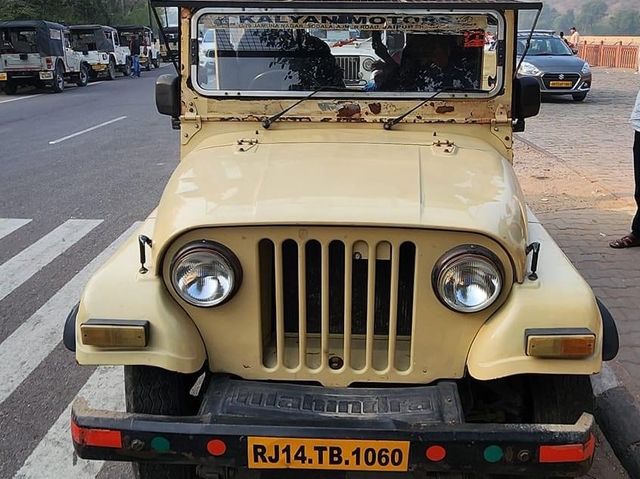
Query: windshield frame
(356, 95)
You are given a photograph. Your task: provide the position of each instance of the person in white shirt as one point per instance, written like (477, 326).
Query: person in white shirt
(575, 37)
(633, 239)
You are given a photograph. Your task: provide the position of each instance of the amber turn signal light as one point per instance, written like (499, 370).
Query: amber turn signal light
(114, 333)
(560, 344)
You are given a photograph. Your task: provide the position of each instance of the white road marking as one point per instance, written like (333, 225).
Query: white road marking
(82, 132)
(29, 261)
(9, 225)
(94, 83)
(54, 455)
(43, 330)
(21, 98)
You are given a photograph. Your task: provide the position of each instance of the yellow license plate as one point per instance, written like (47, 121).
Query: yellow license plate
(3, 77)
(561, 84)
(334, 454)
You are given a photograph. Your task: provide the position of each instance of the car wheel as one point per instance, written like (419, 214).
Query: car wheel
(83, 76)
(156, 63)
(148, 65)
(111, 71)
(10, 88)
(151, 390)
(127, 68)
(58, 80)
(579, 96)
(560, 399)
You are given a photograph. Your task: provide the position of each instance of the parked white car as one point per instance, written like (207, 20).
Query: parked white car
(149, 46)
(101, 48)
(35, 52)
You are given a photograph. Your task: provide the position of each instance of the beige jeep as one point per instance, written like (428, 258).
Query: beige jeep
(343, 280)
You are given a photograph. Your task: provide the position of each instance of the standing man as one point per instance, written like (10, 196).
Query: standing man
(574, 39)
(134, 46)
(633, 239)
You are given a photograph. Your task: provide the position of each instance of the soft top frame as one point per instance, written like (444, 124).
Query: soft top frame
(46, 45)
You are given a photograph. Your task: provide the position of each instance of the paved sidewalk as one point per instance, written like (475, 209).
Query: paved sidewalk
(575, 166)
(577, 173)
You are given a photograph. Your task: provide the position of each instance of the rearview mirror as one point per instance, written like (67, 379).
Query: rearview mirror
(168, 95)
(527, 98)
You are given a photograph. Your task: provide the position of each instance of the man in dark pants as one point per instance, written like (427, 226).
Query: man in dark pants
(633, 239)
(134, 46)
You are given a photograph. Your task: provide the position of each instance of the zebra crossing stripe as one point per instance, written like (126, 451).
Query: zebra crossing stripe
(9, 225)
(28, 345)
(54, 455)
(28, 262)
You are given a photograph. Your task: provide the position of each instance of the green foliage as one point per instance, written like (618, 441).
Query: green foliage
(625, 22)
(591, 14)
(106, 12)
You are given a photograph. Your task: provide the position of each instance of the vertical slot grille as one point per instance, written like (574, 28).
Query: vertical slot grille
(350, 66)
(344, 306)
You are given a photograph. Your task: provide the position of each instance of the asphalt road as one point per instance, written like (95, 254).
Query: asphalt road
(79, 169)
(113, 174)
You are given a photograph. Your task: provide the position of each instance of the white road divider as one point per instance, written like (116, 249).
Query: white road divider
(28, 262)
(9, 225)
(43, 329)
(87, 130)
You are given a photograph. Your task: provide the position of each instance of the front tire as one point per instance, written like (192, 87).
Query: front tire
(58, 80)
(127, 68)
(111, 70)
(10, 88)
(579, 96)
(560, 399)
(151, 390)
(83, 76)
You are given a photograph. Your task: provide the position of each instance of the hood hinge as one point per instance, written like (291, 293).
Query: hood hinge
(191, 123)
(501, 126)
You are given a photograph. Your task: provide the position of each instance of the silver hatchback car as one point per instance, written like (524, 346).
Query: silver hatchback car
(558, 70)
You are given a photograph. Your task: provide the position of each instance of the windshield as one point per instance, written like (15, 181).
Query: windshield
(544, 46)
(83, 40)
(266, 53)
(18, 40)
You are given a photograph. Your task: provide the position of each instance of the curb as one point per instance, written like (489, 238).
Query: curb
(618, 415)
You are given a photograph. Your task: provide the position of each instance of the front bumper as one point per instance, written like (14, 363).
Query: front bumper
(425, 421)
(100, 67)
(26, 75)
(580, 85)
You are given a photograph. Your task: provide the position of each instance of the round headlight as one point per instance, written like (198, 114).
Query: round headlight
(205, 274)
(468, 279)
(367, 64)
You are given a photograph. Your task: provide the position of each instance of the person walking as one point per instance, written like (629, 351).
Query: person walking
(633, 239)
(575, 37)
(134, 46)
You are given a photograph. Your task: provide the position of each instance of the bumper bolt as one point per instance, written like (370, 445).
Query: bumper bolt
(524, 456)
(137, 445)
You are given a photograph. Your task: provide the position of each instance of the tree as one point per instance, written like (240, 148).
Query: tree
(564, 22)
(625, 22)
(591, 14)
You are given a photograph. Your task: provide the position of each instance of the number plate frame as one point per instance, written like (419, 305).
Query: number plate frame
(331, 454)
(561, 84)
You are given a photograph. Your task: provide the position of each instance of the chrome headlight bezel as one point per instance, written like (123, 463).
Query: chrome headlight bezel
(465, 253)
(586, 68)
(228, 259)
(367, 64)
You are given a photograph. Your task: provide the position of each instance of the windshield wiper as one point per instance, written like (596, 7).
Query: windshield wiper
(266, 123)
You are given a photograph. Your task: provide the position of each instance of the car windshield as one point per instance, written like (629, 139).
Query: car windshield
(545, 47)
(411, 53)
(83, 40)
(18, 40)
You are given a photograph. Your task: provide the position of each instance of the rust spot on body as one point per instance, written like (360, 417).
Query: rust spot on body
(349, 111)
(445, 109)
(375, 108)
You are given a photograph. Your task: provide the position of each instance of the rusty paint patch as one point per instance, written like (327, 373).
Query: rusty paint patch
(349, 111)
(445, 109)
(375, 108)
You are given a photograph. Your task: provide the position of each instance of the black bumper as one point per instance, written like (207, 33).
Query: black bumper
(428, 418)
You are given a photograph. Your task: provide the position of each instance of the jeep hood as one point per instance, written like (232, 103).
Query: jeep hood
(459, 188)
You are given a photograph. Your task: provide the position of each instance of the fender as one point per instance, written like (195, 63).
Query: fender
(610, 339)
(119, 291)
(559, 298)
